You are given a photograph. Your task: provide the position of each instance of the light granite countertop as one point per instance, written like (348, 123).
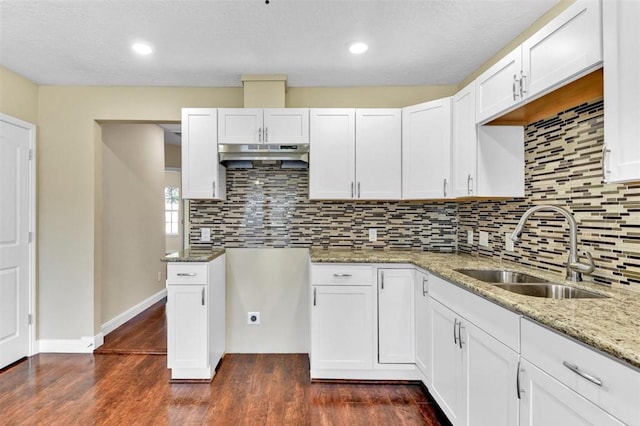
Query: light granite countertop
(193, 255)
(611, 325)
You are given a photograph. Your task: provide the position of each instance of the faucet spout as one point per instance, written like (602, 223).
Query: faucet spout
(575, 268)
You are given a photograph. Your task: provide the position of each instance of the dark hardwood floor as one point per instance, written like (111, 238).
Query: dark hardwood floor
(119, 388)
(146, 333)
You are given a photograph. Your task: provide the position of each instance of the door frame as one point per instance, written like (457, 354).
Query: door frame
(33, 348)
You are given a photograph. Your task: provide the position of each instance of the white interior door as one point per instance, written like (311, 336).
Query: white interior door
(15, 142)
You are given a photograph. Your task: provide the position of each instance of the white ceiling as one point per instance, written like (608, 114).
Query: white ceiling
(214, 42)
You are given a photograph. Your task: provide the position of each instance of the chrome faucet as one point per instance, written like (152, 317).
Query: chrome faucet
(575, 268)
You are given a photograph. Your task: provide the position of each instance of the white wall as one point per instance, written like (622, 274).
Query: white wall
(132, 215)
(174, 242)
(273, 282)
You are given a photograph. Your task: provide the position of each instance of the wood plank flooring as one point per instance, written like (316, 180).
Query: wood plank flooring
(120, 388)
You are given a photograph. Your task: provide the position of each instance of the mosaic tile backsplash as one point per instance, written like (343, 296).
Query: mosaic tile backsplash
(269, 207)
(563, 156)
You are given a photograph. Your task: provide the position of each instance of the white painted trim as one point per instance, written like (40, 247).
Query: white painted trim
(116, 322)
(33, 343)
(83, 345)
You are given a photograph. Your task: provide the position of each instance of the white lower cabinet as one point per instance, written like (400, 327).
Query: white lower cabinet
(195, 318)
(423, 327)
(546, 401)
(396, 336)
(341, 327)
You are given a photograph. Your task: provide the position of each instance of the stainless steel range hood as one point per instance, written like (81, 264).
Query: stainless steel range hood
(288, 156)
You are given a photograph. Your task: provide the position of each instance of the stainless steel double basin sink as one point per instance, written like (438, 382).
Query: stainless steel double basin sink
(528, 285)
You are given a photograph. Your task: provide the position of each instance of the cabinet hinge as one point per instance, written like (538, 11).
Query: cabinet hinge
(30, 237)
(30, 316)
(30, 154)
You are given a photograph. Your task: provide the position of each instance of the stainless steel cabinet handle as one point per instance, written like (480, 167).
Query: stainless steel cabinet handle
(184, 274)
(358, 189)
(469, 184)
(351, 189)
(424, 288)
(382, 279)
(444, 187)
(341, 275)
(522, 89)
(260, 135)
(518, 380)
(213, 188)
(513, 88)
(455, 337)
(314, 296)
(460, 334)
(202, 296)
(266, 134)
(605, 151)
(576, 369)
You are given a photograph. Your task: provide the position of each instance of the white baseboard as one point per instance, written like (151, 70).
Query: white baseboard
(83, 345)
(116, 322)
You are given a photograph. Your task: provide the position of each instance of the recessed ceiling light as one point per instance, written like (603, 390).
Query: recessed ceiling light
(358, 48)
(142, 48)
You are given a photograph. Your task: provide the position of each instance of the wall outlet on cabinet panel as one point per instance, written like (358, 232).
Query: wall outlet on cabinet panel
(205, 235)
(483, 238)
(469, 237)
(508, 242)
(373, 234)
(253, 318)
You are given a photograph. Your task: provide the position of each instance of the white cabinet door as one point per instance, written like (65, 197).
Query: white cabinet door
(202, 175)
(447, 370)
(490, 382)
(426, 150)
(342, 327)
(423, 326)
(332, 148)
(621, 90)
(378, 154)
(498, 88)
(546, 401)
(464, 144)
(187, 327)
(240, 126)
(286, 125)
(396, 333)
(566, 47)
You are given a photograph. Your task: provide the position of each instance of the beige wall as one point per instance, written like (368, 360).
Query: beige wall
(174, 179)
(539, 23)
(132, 215)
(172, 156)
(18, 96)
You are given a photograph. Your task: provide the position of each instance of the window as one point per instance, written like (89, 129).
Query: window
(171, 210)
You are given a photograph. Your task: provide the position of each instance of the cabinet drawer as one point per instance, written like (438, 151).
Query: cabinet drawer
(341, 274)
(187, 273)
(495, 320)
(619, 391)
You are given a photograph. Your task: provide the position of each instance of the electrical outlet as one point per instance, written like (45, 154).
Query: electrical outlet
(205, 235)
(253, 318)
(508, 242)
(373, 234)
(469, 237)
(483, 238)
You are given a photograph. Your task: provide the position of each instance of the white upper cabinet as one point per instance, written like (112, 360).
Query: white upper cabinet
(566, 48)
(498, 88)
(202, 176)
(355, 154)
(378, 154)
(332, 163)
(464, 143)
(621, 20)
(259, 126)
(562, 49)
(426, 150)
